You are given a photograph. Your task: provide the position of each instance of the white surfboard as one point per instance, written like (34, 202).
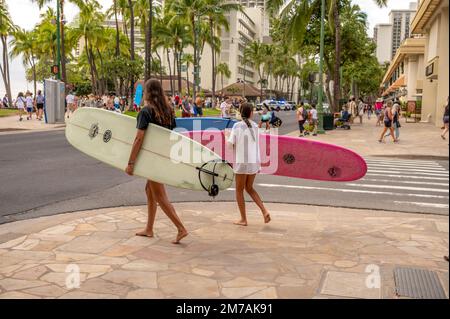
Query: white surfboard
(166, 156)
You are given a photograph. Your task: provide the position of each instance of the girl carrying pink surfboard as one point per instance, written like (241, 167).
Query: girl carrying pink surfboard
(244, 138)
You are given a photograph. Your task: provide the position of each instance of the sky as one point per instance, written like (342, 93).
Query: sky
(25, 14)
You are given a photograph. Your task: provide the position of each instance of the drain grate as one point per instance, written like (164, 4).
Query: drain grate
(418, 284)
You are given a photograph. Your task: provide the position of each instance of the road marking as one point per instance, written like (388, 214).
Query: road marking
(434, 205)
(423, 189)
(400, 172)
(412, 167)
(406, 176)
(351, 191)
(402, 182)
(412, 170)
(401, 161)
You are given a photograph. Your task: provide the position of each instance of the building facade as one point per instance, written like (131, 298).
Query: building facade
(389, 36)
(432, 21)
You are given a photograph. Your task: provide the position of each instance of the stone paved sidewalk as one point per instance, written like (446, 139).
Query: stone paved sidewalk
(416, 140)
(305, 252)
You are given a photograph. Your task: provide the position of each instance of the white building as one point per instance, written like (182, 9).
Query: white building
(389, 36)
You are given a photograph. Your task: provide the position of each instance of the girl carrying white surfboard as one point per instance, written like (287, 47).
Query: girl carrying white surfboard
(156, 110)
(244, 138)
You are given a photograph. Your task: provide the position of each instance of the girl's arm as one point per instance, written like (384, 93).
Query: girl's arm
(137, 144)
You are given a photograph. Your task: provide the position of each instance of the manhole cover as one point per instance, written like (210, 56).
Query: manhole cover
(418, 284)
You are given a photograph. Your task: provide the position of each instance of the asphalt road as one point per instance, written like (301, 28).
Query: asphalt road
(41, 174)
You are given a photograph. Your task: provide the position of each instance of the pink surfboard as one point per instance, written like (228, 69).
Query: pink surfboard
(293, 156)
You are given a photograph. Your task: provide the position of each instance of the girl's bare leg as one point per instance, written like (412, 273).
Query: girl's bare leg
(445, 130)
(160, 195)
(382, 134)
(151, 207)
(391, 129)
(240, 186)
(255, 196)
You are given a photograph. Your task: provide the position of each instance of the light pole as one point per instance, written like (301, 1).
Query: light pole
(320, 98)
(58, 40)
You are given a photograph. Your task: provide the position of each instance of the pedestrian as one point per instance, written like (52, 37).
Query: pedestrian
(314, 119)
(20, 104)
(244, 138)
(369, 110)
(40, 100)
(185, 107)
(116, 102)
(360, 110)
(302, 115)
(157, 111)
(5, 101)
(265, 117)
(388, 119)
(445, 120)
(70, 100)
(199, 107)
(30, 105)
(395, 120)
(225, 108)
(378, 111)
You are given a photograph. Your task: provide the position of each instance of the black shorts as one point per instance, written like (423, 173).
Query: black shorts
(387, 124)
(446, 119)
(40, 106)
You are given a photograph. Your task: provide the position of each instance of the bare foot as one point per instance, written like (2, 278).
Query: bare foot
(181, 234)
(241, 223)
(145, 233)
(267, 218)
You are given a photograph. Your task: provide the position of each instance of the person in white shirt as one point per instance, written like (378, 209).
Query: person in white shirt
(314, 119)
(225, 108)
(20, 104)
(70, 100)
(244, 138)
(30, 105)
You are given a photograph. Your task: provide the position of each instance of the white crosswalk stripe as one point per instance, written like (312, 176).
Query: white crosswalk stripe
(422, 185)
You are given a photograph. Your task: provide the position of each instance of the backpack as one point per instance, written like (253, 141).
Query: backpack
(305, 114)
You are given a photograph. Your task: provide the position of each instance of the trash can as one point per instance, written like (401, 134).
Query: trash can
(328, 121)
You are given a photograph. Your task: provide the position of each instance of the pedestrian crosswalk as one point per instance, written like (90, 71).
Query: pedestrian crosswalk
(392, 184)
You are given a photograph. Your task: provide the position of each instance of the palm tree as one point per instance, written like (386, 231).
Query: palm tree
(132, 53)
(255, 53)
(298, 14)
(24, 43)
(187, 59)
(223, 70)
(217, 20)
(6, 28)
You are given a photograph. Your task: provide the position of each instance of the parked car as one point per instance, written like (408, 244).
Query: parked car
(271, 104)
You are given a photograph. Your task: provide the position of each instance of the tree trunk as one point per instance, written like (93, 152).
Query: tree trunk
(221, 79)
(337, 62)
(328, 93)
(63, 46)
(130, 4)
(4, 69)
(170, 73)
(179, 70)
(117, 30)
(33, 65)
(213, 57)
(187, 79)
(148, 43)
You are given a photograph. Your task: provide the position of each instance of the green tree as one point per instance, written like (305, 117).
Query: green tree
(223, 70)
(188, 60)
(255, 53)
(7, 28)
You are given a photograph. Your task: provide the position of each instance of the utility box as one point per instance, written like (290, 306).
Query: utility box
(328, 121)
(55, 101)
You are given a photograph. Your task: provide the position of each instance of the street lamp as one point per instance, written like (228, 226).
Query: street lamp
(320, 98)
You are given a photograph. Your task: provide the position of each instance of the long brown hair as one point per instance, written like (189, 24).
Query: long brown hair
(246, 110)
(155, 99)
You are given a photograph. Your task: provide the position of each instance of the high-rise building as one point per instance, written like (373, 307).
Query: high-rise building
(389, 36)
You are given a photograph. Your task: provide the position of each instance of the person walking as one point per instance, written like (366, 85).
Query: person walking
(265, 117)
(156, 111)
(314, 119)
(20, 104)
(70, 100)
(360, 110)
(445, 119)
(378, 111)
(30, 105)
(5, 101)
(185, 107)
(388, 119)
(352, 109)
(225, 108)
(302, 115)
(244, 139)
(369, 110)
(40, 100)
(395, 120)
(198, 107)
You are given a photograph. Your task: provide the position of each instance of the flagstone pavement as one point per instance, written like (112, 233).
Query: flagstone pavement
(305, 252)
